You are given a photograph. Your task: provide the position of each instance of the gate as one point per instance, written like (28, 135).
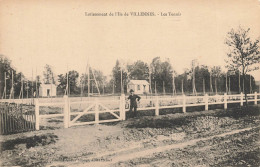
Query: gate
(95, 111)
(84, 112)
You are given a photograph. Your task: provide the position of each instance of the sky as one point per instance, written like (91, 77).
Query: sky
(35, 33)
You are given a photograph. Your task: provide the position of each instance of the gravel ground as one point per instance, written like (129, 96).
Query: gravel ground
(118, 143)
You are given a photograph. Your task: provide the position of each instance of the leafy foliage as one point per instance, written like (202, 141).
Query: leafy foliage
(48, 75)
(116, 77)
(162, 71)
(138, 71)
(73, 82)
(243, 55)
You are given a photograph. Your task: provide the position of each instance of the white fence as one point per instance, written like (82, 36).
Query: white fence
(117, 106)
(90, 106)
(190, 101)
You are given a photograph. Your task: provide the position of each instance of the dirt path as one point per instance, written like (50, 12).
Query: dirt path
(126, 154)
(210, 138)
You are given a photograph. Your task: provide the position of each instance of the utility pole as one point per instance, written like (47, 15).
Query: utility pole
(67, 84)
(182, 90)
(210, 80)
(12, 88)
(173, 86)
(216, 87)
(243, 85)
(90, 70)
(52, 81)
(96, 83)
(4, 94)
(193, 78)
(155, 90)
(239, 87)
(92, 88)
(88, 79)
(113, 86)
(226, 83)
(103, 88)
(67, 87)
(250, 85)
(81, 88)
(204, 91)
(21, 91)
(150, 81)
(36, 84)
(32, 84)
(229, 90)
(163, 89)
(122, 89)
(27, 89)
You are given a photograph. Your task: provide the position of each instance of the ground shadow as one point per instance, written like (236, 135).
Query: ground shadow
(29, 142)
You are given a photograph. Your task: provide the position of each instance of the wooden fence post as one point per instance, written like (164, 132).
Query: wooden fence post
(96, 111)
(156, 105)
(241, 99)
(37, 115)
(206, 99)
(255, 102)
(184, 103)
(66, 111)
(225, 101)
(122, 106)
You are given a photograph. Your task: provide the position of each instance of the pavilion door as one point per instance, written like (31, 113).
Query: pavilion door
(48, 92)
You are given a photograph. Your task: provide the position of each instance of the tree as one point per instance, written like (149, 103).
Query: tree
(8, 71)
(244, 53)
(181, 82)
(48, 75)
(202, 78)
(116, 77)
(161, 74)
(5, 70)
(138, 71)
(62, 80)
(216, 73)
(73, 82)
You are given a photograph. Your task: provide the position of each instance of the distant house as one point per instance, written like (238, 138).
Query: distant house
(47, 90)
(139, 86)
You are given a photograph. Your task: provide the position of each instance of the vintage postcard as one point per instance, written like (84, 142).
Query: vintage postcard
(129, 83)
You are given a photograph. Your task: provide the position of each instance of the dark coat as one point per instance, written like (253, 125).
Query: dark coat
(132, 99)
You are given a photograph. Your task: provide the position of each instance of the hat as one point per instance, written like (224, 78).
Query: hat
(131, 90)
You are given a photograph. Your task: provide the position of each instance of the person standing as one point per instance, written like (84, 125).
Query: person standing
(133, 102)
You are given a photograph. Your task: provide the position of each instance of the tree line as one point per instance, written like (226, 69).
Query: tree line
(13, 84)
(242, 58)
(207, 79)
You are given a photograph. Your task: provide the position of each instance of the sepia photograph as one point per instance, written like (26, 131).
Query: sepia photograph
(96, 83)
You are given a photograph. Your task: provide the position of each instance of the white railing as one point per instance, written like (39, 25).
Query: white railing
(183, 102)
(155, 103)
(67, 112)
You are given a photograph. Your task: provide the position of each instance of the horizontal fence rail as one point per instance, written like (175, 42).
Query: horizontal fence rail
(71, 109)
(155, 103)
(183, 102)
(90, 106)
